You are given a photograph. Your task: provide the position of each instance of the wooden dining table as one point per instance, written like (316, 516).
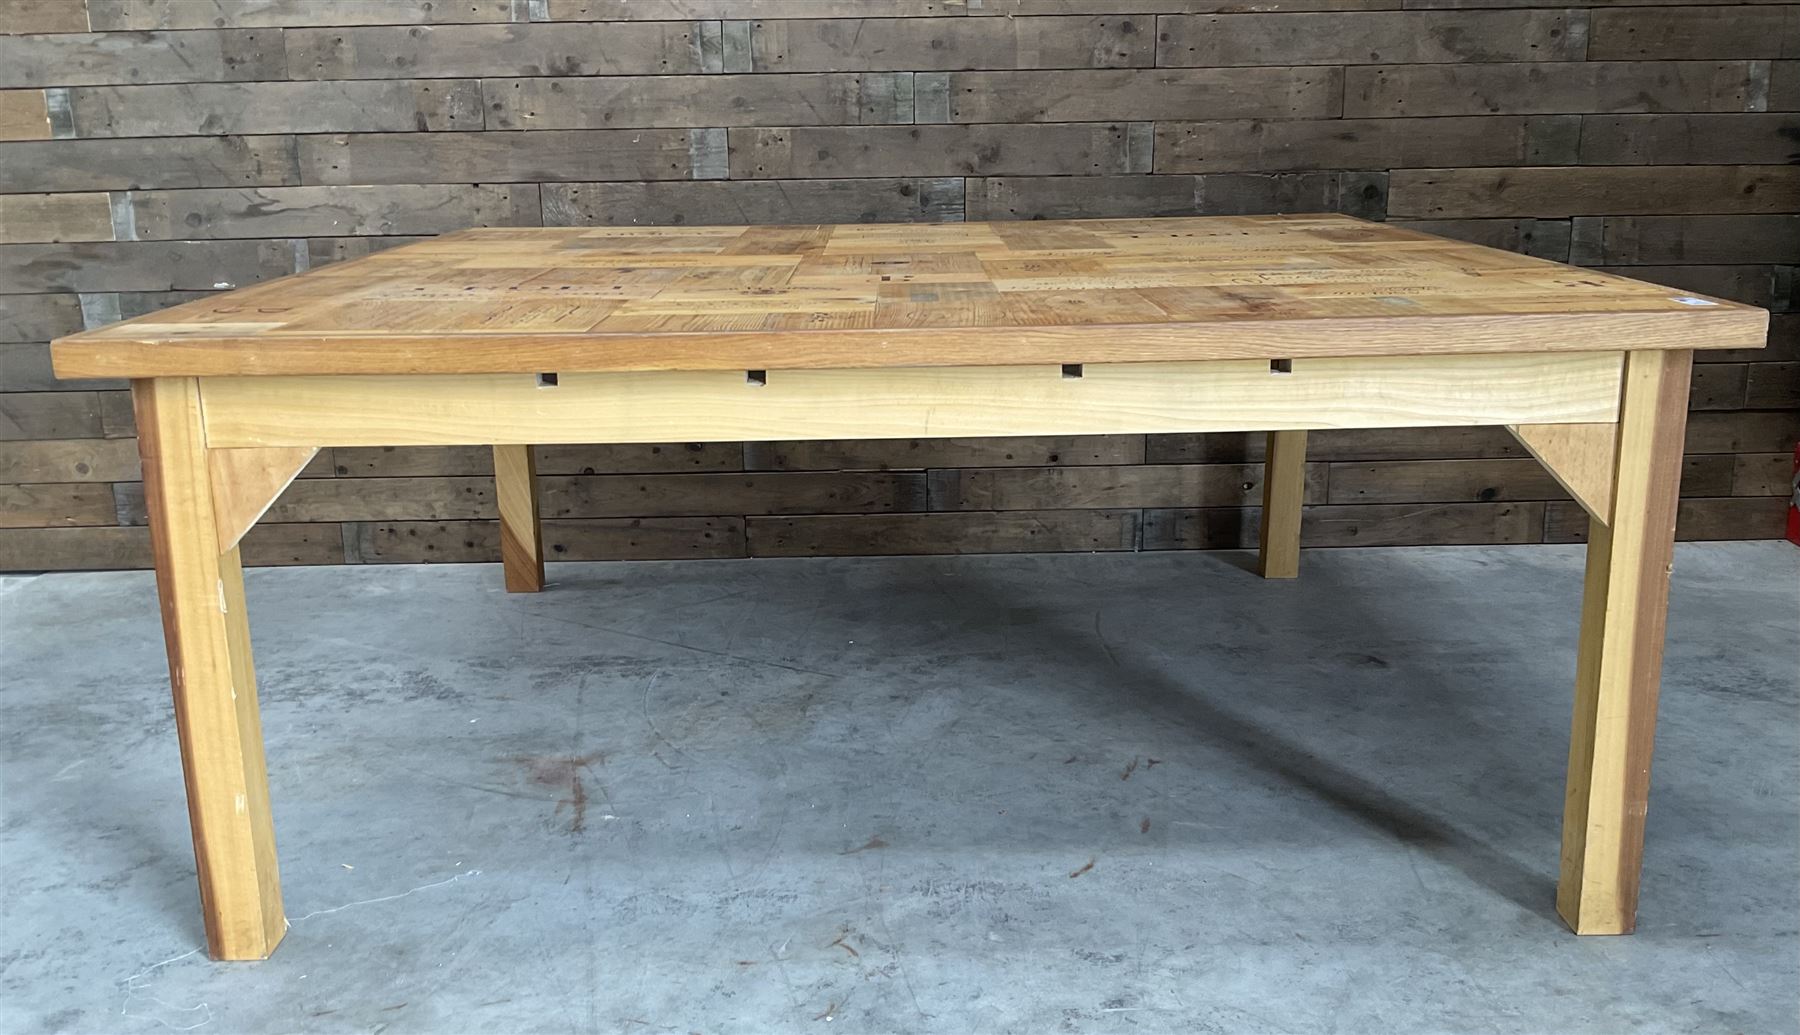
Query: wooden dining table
(516, 337)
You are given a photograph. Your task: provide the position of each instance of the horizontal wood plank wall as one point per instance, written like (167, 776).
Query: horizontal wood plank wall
(152, 151)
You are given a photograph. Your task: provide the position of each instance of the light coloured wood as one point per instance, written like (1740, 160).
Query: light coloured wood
(245, 482)
(1619, 660)
(521, 536)
(920, 402)
(586, 299)
(1284, 493)
(1579, 456)
(200, 585)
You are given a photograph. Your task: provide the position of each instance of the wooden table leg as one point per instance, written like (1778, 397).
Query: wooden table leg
(1619, 660)
(201, 589)
(1284, 492)
(521, 540)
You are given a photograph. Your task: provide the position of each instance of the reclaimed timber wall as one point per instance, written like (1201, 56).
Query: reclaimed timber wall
(155, 150)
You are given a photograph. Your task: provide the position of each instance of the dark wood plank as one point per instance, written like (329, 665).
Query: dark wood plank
(1543, 238)
(1049, 531)
(139, 15)
(1696, 240)
(922, 454)
(1695, 33)
(716, 202)
(1762, 474)
(603, 102)
(1696, 520)
(74, 460)
(408, 542)
(527, 49)
(1772, 385)
(690, 495)
(1484, 481)
(26, 368)
(263, 212)
(662, 10)
(141, 265)
(39, 317)
(104, 58)
(1751, 431)
(1617, 190)
(913, 44)
(444, 461)
(1760, 139)
(1063, 149)
(1159, 485)
(1280, 146)
(137, 163)
(1442, 524)
(103, 548)
(1368, 38)
(1530, 88)
(41, 415)
(1073, 197)
(1337, 444)
(1300, 92)
(55, 506)
(1769, 286)
(220, 109)
(588, 155)
(1717, 386)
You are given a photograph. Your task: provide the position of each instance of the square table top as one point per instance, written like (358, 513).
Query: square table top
(913, 294)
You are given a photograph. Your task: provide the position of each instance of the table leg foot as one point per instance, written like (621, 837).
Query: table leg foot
(1284, 493)
(1619, 660)
(201, 590)
(521, 538)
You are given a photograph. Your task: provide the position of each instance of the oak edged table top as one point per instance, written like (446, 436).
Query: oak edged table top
(591, 299)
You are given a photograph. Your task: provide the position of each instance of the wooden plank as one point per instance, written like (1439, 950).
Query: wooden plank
(52, 506)
(636, 539)
(39, 317)
(954, 402)
(519, 49)
(1340, 444)
(1424, 481)
(957, 533)
(23, 115)
(76, 460)
(262, 212)
(699, 495)
(1580, 458)
(1768, 286)
(1304, 145)
(1717, 386)
(1071, 95)
(1759, 139)
(246, 481)
(1369, 38)
(1532, 88)
(1284, 492)
(140, 265)
(1618, 190)
(104, 58)
(602, 102)
(1784, 86)
(1772, 386)
(1020, 8)
(1619, 659)
(35, 415)
(918, 454)
(911, 44)
(1073, 197)
(201, 588)
(141, 15)
(1670, 240)
(1762, 474)
(466, 461)
(26, 218)
(587, 155)
(133, 163)
(30, 16)
(224, 109)
(872, 200)
(1047, 149)
(105, 548)
(662, 10)
(1542, 238)
(1695, 33)
(516, 501)
(1081, 487)
(1441, 524)
(1746, 432)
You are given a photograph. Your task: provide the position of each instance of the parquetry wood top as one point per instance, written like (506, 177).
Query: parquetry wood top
(872, 295)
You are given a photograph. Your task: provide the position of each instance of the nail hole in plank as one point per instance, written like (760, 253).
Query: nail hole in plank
(546, 380)
(1281, 366)
(1071, 370)
(756, 377)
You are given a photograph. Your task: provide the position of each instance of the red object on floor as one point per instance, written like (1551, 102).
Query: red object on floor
(1793, 531)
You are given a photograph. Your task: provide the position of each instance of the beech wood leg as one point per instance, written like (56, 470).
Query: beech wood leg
(1619, 660)
(1284, 492)
(201, 590)
(521, 540)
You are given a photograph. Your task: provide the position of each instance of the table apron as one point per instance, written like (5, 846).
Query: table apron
(911, 402)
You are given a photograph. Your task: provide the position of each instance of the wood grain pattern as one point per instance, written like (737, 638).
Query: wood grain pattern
(1548, 88)
(246, 481)
(104, 58)
(1284, 494)
(973, 294)
(1374, 37)
(516, 500)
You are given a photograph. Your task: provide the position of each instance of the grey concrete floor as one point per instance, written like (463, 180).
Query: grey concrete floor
(1104, 793)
